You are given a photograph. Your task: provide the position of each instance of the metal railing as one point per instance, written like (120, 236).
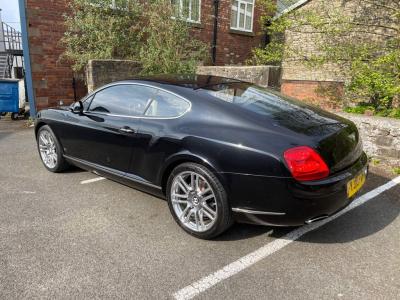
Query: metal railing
(12, 38)
(11, 47)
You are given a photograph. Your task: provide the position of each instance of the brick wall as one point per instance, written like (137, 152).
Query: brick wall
(52, 78)
(233, 47)
(326, 94)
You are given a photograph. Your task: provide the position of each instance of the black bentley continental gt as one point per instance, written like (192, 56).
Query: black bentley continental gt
(217, 149)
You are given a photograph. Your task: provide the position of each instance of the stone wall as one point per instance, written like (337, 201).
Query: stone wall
(261, 75)
(381, 137)
(303, 41)
(101, 72)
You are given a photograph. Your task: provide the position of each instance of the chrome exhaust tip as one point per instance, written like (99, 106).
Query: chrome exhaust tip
(315, 219)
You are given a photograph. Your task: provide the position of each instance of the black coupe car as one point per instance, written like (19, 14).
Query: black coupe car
(217, 149)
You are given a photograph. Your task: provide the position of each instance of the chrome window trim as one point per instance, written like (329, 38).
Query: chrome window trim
(143, 116)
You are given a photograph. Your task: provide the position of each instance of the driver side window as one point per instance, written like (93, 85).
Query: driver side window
(123, 99)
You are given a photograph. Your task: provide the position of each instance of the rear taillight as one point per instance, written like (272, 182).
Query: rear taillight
(305, 164)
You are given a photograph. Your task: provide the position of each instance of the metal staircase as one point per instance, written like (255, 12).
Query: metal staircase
(3, 64)
(11, 54)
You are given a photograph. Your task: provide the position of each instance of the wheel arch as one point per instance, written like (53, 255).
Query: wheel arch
(39, 125)
(182, 158)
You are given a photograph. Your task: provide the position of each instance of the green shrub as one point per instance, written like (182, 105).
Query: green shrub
(381, 112)
(143, 31)
(363, 46)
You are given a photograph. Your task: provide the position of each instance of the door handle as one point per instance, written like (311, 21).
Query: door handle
(126, 129)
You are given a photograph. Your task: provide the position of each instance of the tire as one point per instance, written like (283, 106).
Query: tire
(14, 116)
(51, 154)
(202, 198)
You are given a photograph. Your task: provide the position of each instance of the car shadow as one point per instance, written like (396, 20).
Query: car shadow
(363, 221)
(73, 169)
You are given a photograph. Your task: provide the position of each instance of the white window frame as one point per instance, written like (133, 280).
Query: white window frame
(237, 27)
(189, 19)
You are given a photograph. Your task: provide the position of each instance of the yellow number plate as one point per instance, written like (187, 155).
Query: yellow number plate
(354, 185)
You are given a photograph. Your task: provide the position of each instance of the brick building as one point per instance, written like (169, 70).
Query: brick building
(231, 36)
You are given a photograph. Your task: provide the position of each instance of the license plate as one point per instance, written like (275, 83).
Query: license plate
(354, 185)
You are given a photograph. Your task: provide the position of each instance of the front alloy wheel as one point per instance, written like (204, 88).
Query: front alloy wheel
(50, 150)
(47, 149)
(198, 201)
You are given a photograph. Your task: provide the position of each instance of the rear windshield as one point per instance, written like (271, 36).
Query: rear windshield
(271, 104)
(253, 98)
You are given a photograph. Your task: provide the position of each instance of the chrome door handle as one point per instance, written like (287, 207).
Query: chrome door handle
(126, 129)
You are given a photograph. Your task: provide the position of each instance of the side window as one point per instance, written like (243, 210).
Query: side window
(124, 99)
(167, 105)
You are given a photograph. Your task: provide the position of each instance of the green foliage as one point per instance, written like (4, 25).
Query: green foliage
(364, 44)
(133, 30)
(30, 122)
(363, 108)
(168, 47)
(396, 170)
(95, 30)
(375, 161)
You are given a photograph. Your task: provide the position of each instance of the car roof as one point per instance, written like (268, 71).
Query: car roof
(189, 81)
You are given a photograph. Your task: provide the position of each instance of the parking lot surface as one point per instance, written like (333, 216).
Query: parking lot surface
(68, 236)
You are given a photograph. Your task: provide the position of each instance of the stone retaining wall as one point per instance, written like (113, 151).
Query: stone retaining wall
(100, 72)
(261, 75)
(381, 137)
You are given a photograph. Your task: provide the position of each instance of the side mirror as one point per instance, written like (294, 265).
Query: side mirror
(77, 107)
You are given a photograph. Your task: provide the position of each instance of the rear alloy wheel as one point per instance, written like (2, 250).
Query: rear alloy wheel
(50, 150)
(198, 201)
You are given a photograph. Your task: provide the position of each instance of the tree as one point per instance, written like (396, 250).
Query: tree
(361, 38)
(95, 29)
(130, 29)
(168, 46)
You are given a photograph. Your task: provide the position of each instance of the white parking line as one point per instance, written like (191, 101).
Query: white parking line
(92, 180)
(250, 259)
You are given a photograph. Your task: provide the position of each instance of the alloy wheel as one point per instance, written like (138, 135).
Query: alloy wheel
(47, 148)
(194, 201)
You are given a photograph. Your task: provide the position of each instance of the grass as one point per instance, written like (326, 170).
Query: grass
(30, 122)
(396, 170)
(382, 112)
(375, 161)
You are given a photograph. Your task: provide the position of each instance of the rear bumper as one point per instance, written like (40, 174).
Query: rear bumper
(286, 202)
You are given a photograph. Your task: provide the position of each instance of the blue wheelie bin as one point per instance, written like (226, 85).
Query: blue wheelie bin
(9, 97)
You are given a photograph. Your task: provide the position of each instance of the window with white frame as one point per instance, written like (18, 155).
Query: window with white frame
(242, 15)
(188, 10)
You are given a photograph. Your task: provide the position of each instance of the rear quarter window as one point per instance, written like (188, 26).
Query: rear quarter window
(167, 105)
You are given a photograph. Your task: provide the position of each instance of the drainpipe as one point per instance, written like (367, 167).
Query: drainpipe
(215, 32)
(27, 59)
